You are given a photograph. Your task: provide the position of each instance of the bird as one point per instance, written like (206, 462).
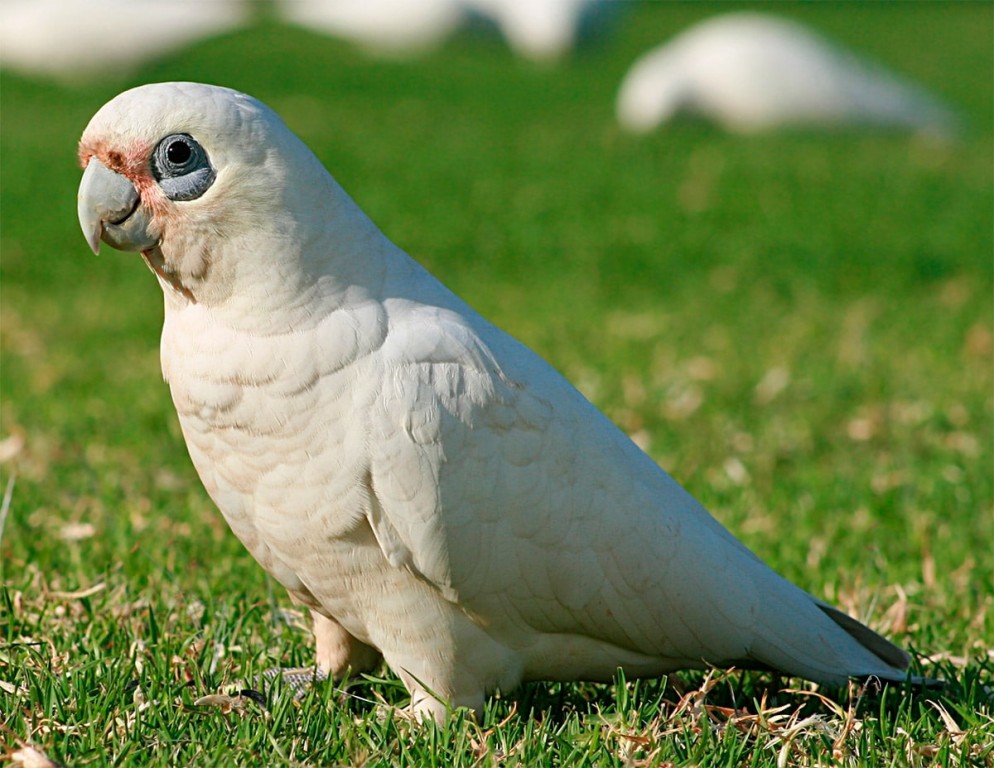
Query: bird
(751, 72)
(539, 30)
(68, 40)
(392, 28)
(432, 490)
(542, 30)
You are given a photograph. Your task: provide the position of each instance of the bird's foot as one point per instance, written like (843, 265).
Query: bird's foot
(297, 679)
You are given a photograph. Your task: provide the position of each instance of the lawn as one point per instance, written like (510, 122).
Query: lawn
(798, 326)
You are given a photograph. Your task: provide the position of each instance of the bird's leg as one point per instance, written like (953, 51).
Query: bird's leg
(338, 653)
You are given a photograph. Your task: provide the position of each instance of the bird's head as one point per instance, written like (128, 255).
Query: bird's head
(209, 185)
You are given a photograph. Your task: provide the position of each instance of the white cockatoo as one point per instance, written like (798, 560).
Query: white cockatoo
(534, 29)
(540, 30)
(390, 27)
(428, 486)
(68, 39)
(751, 72)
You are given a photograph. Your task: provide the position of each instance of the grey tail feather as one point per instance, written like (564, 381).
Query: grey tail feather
(885, 650)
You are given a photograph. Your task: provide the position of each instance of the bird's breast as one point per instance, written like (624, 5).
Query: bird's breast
(273, 423)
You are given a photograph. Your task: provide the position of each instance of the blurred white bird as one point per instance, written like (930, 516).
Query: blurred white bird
(390, 27)
(534, 29)
(540, 30)
(432, 489)
(69, 39)
(751, 72)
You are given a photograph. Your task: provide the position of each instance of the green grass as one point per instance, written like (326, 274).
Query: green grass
(798, 326)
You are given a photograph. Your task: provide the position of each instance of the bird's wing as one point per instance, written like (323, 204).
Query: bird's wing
(515, 496)
(506, 489)
(437, 379)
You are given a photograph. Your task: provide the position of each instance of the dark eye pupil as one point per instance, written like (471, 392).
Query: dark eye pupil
(178, 152)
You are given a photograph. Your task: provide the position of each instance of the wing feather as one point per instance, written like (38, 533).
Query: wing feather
(506, 489)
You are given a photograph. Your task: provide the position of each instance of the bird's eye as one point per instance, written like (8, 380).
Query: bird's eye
(178, 152)
(181, 167)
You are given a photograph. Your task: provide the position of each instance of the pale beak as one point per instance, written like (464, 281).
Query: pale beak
(110, 209)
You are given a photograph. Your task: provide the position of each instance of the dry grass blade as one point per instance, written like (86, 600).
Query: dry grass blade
(78, 594)
(236, 703)
(29, 757)
(956, 733)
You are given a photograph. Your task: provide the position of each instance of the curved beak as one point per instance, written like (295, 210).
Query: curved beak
(110, 209)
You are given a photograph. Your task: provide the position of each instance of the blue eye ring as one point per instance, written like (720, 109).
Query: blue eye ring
(181, 167)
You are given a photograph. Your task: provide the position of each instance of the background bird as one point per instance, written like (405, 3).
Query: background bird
(429, 487)
(540, 30)
(69, 39)
(391, 27)
(751, 72)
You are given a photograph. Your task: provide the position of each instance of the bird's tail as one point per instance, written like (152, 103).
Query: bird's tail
(880, 647)
(823, 644)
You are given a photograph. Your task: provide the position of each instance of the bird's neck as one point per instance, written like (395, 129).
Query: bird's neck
(287, 274)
